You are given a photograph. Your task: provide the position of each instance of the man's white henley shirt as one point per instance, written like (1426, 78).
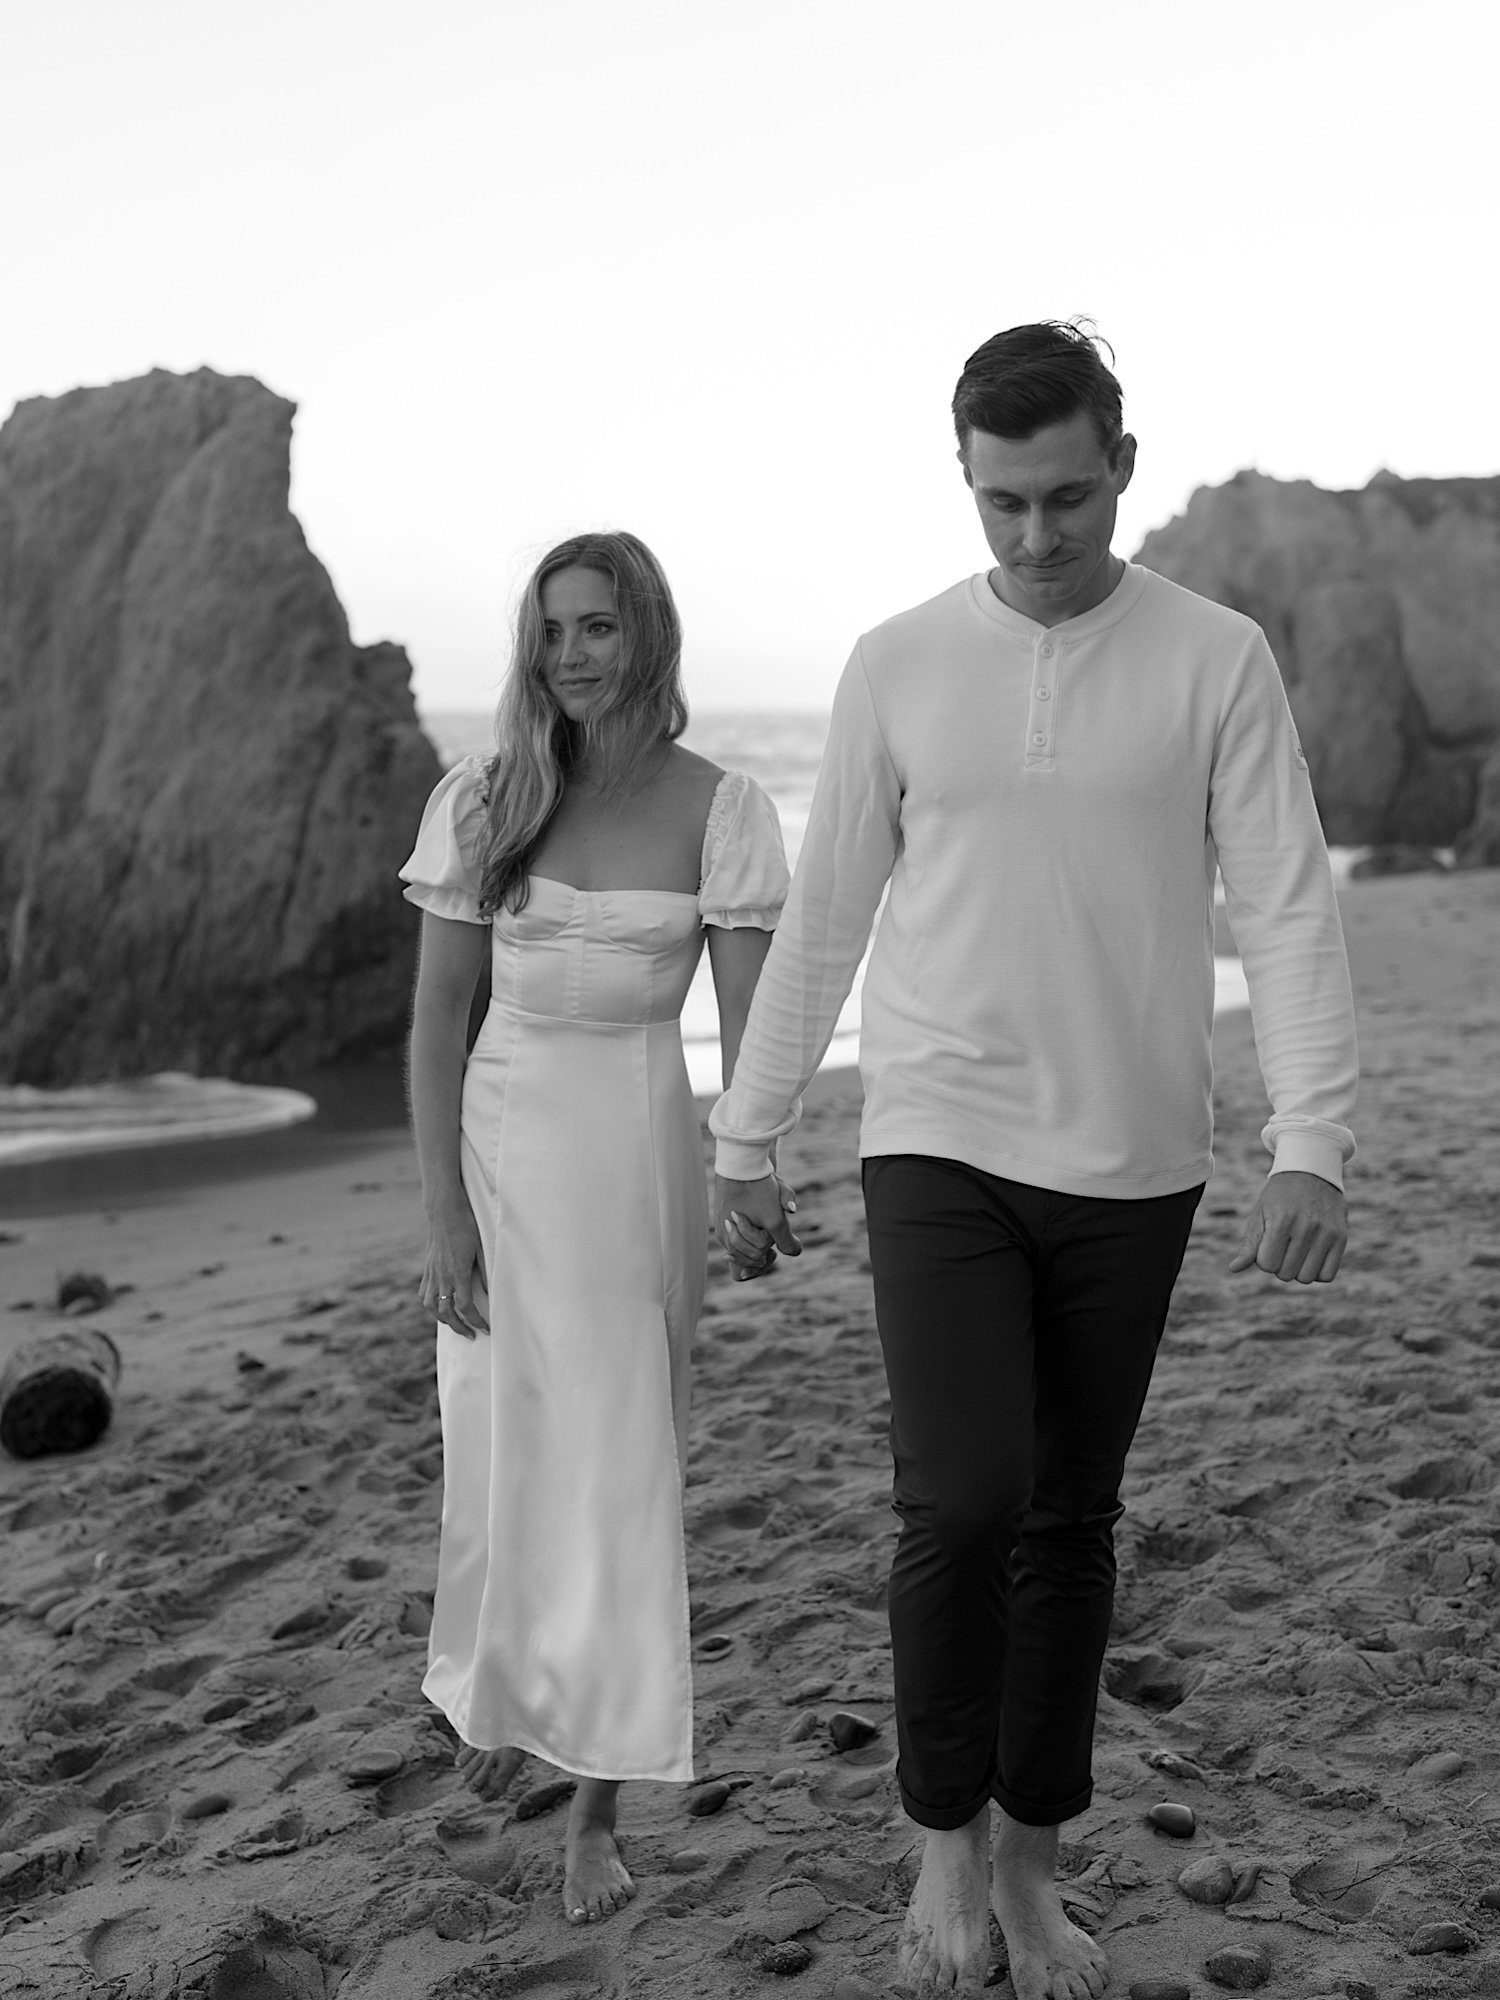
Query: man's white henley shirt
(1048, 806)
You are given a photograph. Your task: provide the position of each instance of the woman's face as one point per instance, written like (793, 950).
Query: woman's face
(583, 639)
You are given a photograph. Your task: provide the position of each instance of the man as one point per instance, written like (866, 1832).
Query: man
(1043, 765)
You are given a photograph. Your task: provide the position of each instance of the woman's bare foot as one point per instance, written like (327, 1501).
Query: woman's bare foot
(596, 1881)
(488, 1773)
(945, 1946)
(1050, 1957)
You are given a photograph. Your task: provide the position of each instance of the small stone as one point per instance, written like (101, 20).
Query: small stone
(542, 1798)
(806, 1725)
(1159, 1989)
(850, 1731)
(715, 1646)
(1244, 1882)
(1489, 1896)
(783, 1781)
(372, 1765)
(1238, 1966)
(1207, 1880)
(862, 1786)
(1433, 1770)
(206, 1805)
(308, 1619)
(786, 1959)
(1442, 1937)
(1359, 1989)
(709, 1798)
(365, 1569)
(686, 1861)
(1178, 1820)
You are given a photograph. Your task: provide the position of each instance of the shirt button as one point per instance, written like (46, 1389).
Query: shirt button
(1046, 652)
(1039, 740)
(1044, 694)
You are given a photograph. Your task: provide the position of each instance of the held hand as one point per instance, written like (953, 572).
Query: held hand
(454, 1271)
(752, 1223)
(1296, 1231)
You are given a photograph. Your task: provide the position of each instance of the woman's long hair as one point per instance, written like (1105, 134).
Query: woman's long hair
(643, 708)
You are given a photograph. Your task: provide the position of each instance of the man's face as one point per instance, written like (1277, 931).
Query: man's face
(1047, 504)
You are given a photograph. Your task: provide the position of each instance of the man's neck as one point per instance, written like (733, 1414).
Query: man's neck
(1103, 583)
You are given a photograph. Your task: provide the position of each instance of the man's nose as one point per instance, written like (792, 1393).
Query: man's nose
(1041, 534)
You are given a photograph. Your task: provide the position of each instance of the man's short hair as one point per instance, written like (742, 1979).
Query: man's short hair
(1028, 377)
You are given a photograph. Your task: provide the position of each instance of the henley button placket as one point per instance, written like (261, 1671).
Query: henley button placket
(1039, 748)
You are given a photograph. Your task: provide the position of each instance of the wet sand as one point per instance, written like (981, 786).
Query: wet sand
(217, 1777)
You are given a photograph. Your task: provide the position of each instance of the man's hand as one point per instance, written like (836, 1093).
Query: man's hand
(1296, 1231)
(750, 1219)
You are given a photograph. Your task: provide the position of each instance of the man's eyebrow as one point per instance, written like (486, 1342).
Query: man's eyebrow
(1083, 484)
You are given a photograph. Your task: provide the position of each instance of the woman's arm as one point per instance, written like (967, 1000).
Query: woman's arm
(452, 958)
(736, 957)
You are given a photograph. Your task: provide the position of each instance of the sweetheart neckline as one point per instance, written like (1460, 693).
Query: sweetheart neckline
(573, 889)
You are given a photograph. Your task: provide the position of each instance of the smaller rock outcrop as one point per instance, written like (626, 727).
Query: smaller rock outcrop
(1383, 610)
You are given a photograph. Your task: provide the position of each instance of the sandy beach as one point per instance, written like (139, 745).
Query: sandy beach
(218, 1780)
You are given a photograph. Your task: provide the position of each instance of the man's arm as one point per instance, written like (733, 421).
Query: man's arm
(847, 855)
(1284, 914)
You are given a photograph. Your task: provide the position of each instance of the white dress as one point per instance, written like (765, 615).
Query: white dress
(561, 1617)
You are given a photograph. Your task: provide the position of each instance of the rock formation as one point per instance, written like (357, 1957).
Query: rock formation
(1383, 610)
(205, 787)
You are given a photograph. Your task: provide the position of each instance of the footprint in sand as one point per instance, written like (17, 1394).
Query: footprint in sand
(478, 1848)
(118, 1945)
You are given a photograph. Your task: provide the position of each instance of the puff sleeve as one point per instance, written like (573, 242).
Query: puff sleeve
(745, 876)
(442, 874)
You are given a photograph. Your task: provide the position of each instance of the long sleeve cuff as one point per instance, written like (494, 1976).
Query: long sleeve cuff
(1308, 1153)
(741, 1160)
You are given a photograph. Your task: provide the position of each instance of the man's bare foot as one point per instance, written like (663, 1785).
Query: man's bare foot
(596, 1881)
(945, 1946)
(1050, 1957)
(488, 1773)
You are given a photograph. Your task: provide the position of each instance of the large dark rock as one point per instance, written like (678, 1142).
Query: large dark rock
(205, 787)
(1383, 609)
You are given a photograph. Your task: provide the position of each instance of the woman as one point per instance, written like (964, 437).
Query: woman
(563, 1179)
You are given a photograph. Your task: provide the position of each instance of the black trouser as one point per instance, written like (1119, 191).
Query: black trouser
(1019, 1329)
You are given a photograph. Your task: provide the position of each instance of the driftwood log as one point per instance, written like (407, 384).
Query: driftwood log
(57, 1392)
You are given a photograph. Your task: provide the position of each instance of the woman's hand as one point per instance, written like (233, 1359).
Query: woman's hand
(746, 1228)
(454, 1262)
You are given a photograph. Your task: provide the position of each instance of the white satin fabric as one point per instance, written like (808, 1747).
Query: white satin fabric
(561, 1619)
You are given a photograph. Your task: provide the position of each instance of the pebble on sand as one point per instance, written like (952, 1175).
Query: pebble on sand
(1245, 1881)
(1159, 1989)
(782, 1781)
(1238, 1966)
(1433, 1770)
(372, 1765)
(206, 1805)
(715, 1646)
(1178, 1820)
(1489, 1896)
(542, 1798)
(687, 1861)
(1210, 1879)
(307, 1619)
(1442, 1937)
(850, 1731)
(786, 1959)
(708, 1799)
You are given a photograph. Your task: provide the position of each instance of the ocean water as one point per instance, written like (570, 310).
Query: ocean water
(779, 749)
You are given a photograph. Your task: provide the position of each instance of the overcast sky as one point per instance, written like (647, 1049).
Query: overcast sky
(709, 271)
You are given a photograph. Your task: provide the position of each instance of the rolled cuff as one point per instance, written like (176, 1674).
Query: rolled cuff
(1309, 1153)
(742, 1160)
(743, 920)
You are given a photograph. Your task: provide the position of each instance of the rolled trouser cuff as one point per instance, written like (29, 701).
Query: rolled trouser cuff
(1032, 1812)
(941, 1819)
